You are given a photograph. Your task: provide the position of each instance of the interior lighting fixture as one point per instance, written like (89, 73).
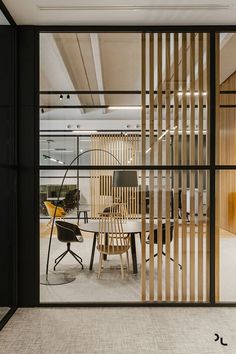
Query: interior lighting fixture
(52, 159)
(124, 107)
(84, 131)
(196, 93)
(163, 134)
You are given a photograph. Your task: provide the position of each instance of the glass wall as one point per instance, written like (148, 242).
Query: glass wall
(128, 115)
(225, 157)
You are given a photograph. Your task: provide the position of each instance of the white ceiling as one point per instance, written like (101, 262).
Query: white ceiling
(121, 12)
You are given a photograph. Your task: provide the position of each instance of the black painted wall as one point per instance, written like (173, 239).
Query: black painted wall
(8, 167)
(28, 182)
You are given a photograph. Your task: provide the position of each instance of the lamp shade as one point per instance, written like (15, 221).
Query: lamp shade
(125, 179)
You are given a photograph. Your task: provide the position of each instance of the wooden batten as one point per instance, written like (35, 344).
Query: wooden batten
(143, 173)
(151, 173)
(184, 162)
(200, 162)
(167, 138)
(192, 162)
(159, 147)
(176, 162)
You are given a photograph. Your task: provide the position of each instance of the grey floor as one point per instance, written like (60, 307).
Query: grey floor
(119, 330)
(110, 287)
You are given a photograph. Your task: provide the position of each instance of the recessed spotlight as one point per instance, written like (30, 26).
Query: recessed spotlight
(81, 150)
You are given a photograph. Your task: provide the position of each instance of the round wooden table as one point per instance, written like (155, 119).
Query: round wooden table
(132, 227)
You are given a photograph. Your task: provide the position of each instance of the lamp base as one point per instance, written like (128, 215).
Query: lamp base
(55, 279)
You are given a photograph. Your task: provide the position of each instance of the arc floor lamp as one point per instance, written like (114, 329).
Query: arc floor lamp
(121, 178)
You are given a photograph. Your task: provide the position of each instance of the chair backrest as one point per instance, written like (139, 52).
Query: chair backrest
(164, 233)
(67, 232)
(120, 209)
(50, 208)
(111, 237)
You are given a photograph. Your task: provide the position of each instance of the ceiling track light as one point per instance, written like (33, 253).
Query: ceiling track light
(46, 157)
(68, 96)
(61, 97)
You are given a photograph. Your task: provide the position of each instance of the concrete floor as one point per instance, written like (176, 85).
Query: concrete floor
(110, 287)
(119, 330)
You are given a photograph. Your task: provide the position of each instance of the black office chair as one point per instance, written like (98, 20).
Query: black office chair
(163, 240)
(68, 233)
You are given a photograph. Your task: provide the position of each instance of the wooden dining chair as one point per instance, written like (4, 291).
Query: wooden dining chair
(120, 209)
(111, 239)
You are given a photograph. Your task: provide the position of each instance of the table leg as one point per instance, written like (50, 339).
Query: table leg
(78, 216)
(133, 252)
(106, 244)
(93, 251)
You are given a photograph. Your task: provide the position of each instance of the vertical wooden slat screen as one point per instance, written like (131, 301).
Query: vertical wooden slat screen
(167, 138)
(159, 147)
(208, 159)
(200, 162)
(192, 162)
(184, 162)
(176, 162)
(124, 148)
(143, 173)
(175, 130)
(151, 173)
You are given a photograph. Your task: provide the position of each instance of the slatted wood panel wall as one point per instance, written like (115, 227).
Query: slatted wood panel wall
(115, 149)
(177, 67)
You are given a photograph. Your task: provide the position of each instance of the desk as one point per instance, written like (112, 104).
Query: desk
(131, 227)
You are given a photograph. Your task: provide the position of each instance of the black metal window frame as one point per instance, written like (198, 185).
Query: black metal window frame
(212, 168)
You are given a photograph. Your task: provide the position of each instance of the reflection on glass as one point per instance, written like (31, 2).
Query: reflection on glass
(226, 235)
(226, 131)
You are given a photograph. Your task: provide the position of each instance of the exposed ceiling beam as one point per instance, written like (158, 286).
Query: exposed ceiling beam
(63, 60)
(98, 66)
